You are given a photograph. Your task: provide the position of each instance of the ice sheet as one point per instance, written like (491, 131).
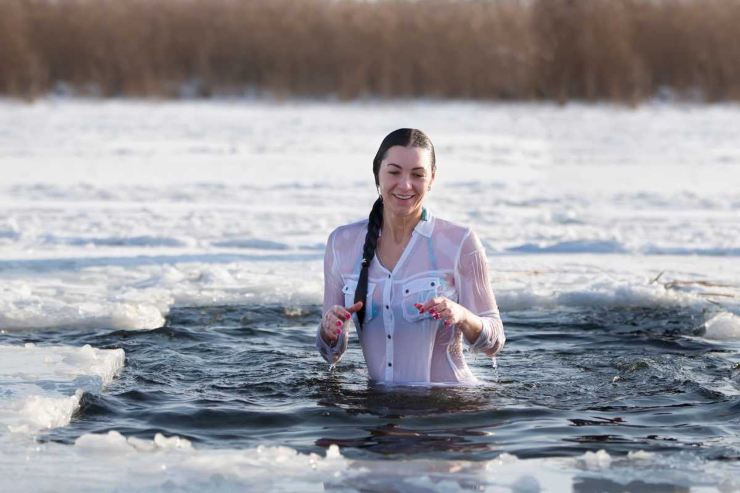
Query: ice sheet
(111, 212)
(41, 387)
(105, 462)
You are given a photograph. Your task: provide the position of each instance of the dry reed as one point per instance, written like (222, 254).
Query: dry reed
(617, 50)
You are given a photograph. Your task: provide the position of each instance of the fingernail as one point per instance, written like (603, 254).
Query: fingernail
(339, 323)
(447, 323)
(347, 316)
(338, 331)
(436, 316)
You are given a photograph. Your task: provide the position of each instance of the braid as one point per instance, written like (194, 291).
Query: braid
(375, 221)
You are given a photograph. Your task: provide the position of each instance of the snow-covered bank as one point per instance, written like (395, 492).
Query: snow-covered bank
(42, 386)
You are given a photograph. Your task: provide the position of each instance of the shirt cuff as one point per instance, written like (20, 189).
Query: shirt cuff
(491, 338)
(330, 353)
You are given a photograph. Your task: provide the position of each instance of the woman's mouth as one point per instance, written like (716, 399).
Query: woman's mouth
(403, 197)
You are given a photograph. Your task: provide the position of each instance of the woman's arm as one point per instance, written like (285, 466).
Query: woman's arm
(332, 335)
(483, 328)
(476, 314)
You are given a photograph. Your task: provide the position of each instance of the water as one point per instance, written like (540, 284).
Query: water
(240, 376)
(612, 236)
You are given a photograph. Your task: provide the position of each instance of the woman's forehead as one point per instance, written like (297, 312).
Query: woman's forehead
(408, 157)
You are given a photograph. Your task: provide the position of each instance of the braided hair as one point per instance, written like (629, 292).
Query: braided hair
(404, 137)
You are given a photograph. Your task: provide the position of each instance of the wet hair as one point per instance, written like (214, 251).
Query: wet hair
(404, 137)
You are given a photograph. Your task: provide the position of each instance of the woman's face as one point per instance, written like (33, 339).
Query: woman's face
(404, 177)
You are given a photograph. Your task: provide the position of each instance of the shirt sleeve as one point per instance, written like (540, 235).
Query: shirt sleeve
(332, 296)
(477, 296)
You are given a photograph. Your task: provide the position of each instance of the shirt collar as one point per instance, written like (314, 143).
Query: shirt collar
(426, 225)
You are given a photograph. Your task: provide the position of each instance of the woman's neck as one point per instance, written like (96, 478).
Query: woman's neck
(399, 228)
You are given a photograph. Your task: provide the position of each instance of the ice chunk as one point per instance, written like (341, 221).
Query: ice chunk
(42, 385)
(596, 460)
(723, 326)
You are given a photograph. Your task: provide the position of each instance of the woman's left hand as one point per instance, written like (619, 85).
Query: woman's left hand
(442, 308)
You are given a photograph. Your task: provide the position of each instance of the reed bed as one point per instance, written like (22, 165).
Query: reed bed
(615, 50)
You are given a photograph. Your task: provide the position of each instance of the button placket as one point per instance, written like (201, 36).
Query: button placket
(388, 325)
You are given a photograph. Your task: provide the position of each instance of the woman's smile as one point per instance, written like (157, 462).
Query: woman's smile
(405, 197)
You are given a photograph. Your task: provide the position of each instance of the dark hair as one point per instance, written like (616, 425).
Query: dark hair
(404, 137)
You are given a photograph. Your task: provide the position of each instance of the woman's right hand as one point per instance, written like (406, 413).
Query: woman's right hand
(333, 322)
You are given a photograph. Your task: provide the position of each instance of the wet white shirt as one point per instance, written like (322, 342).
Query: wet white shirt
(401, 345)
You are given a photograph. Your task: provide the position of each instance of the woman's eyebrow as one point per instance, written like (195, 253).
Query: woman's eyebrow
(412, 169)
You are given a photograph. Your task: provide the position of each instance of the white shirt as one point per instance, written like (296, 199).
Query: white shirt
(400, 344)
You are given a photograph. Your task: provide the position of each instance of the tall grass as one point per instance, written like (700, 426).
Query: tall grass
(618, 50)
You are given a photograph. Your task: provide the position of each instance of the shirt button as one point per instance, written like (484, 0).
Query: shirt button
(387, 307)
(389, 276)
(389, 336)
(390, 364)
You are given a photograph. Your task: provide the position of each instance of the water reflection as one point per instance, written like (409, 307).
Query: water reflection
(589, 485)
(401, 401)
(414, 420)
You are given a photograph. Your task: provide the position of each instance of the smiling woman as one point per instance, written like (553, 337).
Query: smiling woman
(417, 285)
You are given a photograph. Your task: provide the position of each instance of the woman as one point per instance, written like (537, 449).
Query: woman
(416, 285)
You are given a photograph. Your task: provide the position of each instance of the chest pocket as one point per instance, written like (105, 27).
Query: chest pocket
(349, 289)
(418, 291)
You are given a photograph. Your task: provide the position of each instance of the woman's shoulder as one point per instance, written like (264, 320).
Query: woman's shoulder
(461, 235)
(452, 230)
(348, 232)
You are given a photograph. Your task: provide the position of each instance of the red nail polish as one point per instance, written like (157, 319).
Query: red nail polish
(347, 316)
(339, 323)
(338, 331)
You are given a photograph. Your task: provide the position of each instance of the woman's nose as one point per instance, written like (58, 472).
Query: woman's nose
(404, 183)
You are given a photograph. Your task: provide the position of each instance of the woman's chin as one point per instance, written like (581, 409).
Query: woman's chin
(403, 210)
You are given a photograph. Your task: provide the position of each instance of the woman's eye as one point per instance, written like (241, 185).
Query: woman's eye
(419, 176)
(393, 172)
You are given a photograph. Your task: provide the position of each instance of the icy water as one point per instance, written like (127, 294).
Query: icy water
(241, 376)
(160, 288)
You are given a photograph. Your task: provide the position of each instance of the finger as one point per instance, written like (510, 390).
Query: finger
(355, 308)
(329, 335)
(430, 303)
(341, 313)
(445, 315)
(333, 324)
(439, 307)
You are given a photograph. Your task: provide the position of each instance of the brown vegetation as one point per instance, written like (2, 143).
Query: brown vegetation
(618, 50)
